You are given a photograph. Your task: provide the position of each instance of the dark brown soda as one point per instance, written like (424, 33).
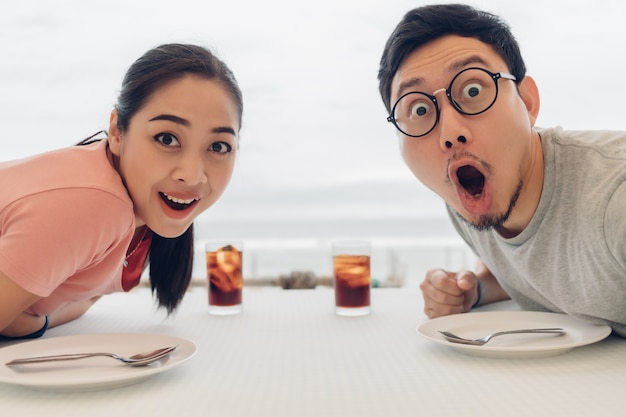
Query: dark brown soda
(225, 277)
(352, 280)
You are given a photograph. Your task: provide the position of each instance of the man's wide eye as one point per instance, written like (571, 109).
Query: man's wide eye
(420, 109)
(472, 90)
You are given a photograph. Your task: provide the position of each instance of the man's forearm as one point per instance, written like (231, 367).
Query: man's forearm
(492, 291)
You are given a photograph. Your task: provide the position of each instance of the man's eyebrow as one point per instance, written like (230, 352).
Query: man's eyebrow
(409, 85)
(459, 65)
(185, 122)
(453, 68)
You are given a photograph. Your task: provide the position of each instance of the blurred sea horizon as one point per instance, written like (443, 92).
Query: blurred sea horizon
(402, 248)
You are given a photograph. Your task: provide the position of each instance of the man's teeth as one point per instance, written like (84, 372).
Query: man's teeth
(178, 200)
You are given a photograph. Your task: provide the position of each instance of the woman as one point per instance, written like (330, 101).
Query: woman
(84, 221)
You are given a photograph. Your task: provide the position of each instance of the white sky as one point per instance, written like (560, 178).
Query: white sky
(314, 124)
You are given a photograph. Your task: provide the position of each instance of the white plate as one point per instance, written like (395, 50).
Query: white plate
(93, 373)
(474, 325)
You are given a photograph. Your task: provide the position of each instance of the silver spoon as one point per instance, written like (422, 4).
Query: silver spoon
(451, 337)
(140, 359)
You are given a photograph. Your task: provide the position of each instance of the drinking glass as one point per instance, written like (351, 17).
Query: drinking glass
(224, 275)
(351, 264)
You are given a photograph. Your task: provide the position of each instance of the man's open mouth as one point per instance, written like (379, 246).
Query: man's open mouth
(177, 203)
(471, 179)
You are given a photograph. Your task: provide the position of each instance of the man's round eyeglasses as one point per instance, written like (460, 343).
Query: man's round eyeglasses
(472, 91)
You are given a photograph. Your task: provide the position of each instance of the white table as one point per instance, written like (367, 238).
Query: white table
(288, 354)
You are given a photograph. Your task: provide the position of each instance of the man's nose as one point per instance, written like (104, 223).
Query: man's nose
(451, 123)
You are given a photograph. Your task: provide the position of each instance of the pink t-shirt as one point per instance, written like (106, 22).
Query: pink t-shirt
(66, 221)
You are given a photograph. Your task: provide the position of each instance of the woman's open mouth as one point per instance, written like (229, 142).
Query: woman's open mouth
(177, 203)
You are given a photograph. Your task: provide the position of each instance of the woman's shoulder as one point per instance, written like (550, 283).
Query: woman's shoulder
(77, 168)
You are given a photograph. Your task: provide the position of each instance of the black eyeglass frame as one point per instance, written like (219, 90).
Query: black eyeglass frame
(495, 76)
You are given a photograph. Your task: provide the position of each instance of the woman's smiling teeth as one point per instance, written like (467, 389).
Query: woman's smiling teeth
(177, 203)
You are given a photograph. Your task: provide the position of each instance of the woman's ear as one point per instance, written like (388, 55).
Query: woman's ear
(115, 136)
(530, 96)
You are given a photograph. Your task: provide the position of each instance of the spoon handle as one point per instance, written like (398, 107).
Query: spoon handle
(54, 358)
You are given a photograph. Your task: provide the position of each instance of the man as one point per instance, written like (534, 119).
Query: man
(544, 209)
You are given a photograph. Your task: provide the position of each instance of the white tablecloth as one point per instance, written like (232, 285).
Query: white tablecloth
(288, 354)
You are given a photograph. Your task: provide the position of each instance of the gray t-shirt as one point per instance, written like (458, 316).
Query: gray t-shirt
(572, 256)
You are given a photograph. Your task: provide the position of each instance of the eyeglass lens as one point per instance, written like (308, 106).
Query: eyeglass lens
(472, 91)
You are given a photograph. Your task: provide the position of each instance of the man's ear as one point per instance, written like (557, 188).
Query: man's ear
(530, 96)
(115, 136)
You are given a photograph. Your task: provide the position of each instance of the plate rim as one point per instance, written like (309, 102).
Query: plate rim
(602, 331)
(186, 347)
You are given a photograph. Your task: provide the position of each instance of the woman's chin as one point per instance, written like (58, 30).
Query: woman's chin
(170, 232)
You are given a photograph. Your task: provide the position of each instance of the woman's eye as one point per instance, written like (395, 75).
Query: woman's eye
(472, 90)
(166, 139)
(221, 147)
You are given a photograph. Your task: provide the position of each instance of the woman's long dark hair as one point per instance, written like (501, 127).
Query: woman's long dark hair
(171, 259)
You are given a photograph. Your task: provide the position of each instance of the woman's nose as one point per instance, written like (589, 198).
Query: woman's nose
(191, 171)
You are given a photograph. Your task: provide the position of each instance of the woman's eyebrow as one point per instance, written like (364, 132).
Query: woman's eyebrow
(172, 118)
(186, 123)
(225, 129)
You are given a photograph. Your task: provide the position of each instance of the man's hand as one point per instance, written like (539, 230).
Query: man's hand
(449, 292)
